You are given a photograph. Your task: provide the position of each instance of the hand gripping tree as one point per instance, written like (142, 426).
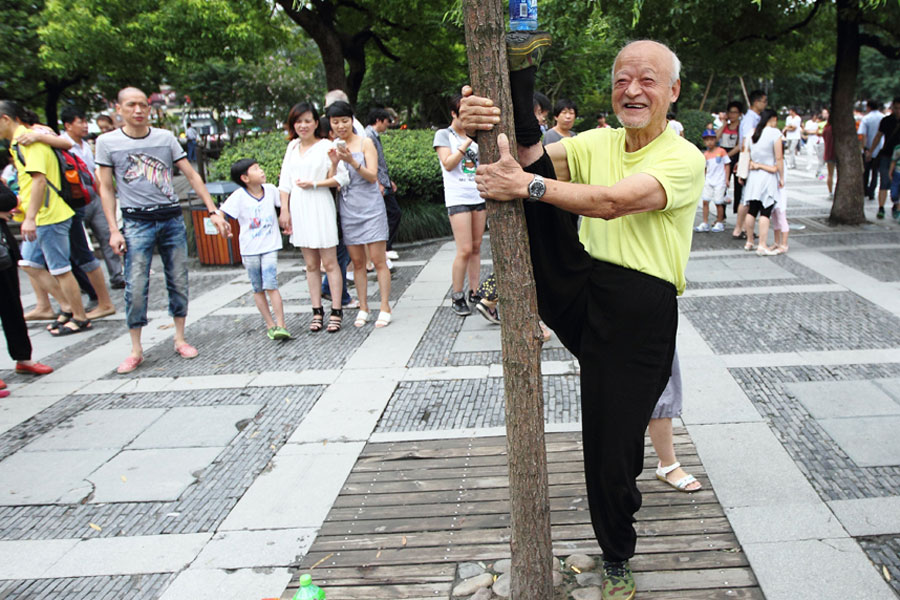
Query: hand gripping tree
(530, 543)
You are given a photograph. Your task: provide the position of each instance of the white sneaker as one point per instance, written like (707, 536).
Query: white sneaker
(718, 227)
(702, 228)
(392, 254)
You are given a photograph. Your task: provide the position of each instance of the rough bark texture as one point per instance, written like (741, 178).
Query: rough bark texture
(529, 504)
(848, 195)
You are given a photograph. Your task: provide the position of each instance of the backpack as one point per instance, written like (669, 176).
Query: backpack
(76, 180)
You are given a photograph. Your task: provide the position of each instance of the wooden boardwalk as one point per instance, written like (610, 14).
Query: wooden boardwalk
(411, 512)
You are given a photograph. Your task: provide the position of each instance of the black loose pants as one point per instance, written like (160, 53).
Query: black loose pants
(13, 317)
(621, 326)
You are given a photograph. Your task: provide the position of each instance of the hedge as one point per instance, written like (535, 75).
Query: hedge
(413, 164)
(694, 121)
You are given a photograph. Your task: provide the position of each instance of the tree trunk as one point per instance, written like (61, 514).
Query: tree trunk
(706, 91)
(319, 25)
(54, 92)
(530, 543)
(847, 207)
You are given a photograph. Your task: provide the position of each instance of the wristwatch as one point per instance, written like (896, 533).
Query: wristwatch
(536, 189)
(217, 212)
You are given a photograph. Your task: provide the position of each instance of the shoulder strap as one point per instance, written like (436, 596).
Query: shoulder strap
(21, 158)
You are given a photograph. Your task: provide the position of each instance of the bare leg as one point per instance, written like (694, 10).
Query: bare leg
(179, 331)
(763, 232)
(749, 223)
(358, 258)
(137, 350)
(105, 306)
(277, 306)
(71, 292)
(461, 224)
(830, 181)
(741, 221)
(260, 299)
(705, 212)
(720, 213)
(661, 436)
(43, 282)
(333, 272)
(478, 220)
(314, 276)
(42, 308)
(377, 254)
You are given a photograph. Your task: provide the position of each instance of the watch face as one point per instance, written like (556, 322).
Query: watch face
(536, 189)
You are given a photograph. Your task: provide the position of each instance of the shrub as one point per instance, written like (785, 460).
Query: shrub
(422, 221)
(694, 122)
(414, 165)
(266, 149)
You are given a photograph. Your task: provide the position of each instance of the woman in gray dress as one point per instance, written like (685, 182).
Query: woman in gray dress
(363, 214)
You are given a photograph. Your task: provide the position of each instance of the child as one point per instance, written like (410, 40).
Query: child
(253, 205)
(718, 173)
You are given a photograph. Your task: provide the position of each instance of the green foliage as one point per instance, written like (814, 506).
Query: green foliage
(694, 122)
(267, 150)
(422, 221)
(414, 166)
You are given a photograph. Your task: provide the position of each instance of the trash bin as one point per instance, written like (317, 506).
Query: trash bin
(213, 249)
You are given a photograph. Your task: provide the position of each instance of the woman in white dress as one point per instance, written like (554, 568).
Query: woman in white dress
(308, 211)
(766, 177)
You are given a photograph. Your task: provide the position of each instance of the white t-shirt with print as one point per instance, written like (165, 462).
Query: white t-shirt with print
(459, 183)
(259, 223)
(795, 133)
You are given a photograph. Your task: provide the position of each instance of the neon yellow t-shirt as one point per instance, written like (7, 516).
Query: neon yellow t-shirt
(656, 242)
(39, 158)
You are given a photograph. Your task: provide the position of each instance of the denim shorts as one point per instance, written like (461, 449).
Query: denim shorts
(51, 250)
(884, 172)
(263, 270)
(462, 208)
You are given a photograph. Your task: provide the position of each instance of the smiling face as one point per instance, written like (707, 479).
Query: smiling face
(642, 88)
(305, 126)
(342, 126)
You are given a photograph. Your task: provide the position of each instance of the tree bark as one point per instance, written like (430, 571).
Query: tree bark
(847, 207)
(320, 26)
(530, 543)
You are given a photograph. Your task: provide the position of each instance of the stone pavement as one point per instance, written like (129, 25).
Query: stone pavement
(211, 478)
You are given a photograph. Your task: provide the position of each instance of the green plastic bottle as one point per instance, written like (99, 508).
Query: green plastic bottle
(308, 591)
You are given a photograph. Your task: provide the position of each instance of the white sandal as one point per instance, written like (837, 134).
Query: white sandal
(384, 319)
(681, 484)
(362, 317)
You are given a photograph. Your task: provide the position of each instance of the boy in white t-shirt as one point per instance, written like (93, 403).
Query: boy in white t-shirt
(253, 205)
(718, 174)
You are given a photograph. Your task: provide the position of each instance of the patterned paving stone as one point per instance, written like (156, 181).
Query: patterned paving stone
(138, 587)
(791, 322)
(852, 237)
(884, 552)
(746, 265)
(830, 471)
(881, 264)
(461, 404)
(203, 505)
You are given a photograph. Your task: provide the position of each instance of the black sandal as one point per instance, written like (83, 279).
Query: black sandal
(63, 330)
(335, 320)
(317, 320)
(66, 317)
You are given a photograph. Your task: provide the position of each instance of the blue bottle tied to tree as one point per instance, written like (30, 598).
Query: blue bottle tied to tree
(523, 15)
(308, 591)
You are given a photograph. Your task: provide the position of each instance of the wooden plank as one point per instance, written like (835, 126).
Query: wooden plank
(748, 593)
(390, 522)
(695, 579)
(415, 573)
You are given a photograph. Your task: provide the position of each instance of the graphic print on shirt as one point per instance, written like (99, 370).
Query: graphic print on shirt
(153, 170)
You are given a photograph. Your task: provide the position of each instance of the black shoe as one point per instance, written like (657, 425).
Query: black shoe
(880, 214)
(489, 313)
(118, 284)
(460, 306)
(473, 298)
(525, 48)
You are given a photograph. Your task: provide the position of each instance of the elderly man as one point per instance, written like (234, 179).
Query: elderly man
(610, 295)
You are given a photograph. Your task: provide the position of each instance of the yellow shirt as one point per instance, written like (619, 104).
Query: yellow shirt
(656, 242)
(39, 158)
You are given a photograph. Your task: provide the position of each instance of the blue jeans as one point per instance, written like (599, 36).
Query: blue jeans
(141, 237)
(262, 270)
(895, 186)
(192, 150)
(343, 258)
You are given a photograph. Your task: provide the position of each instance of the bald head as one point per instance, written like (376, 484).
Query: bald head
(654, 50)
(129, 91)
(335, 96)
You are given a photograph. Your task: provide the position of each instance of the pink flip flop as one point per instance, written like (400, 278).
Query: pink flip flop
(186, 351)
(129, 364)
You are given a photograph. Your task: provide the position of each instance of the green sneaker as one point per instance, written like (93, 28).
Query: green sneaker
(525, 48)
(270, 332)
(281, 333)
(618, 581)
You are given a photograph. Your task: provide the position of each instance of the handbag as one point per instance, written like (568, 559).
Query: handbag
(6, 260)
(743, 166)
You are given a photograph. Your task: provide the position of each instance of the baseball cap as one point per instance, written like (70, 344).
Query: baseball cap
(709, 133)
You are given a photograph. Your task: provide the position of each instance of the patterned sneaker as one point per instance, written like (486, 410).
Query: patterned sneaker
(488, 312)
(459, 305)
(618, 581)
(702, 228)
(473, 298)
(270, 332)
(718, 227)
(281, 333)
(880, 214)
(525, 48)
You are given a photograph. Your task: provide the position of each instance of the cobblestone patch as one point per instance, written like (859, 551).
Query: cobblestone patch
(461, 404)
(247, 299)
(434, 349)
(249, 350)
(802, 275)
(851, 237)
(791, 322)
(884, 551)
(138, 587)
(881, 264)
(828, 468)
(203, 505)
